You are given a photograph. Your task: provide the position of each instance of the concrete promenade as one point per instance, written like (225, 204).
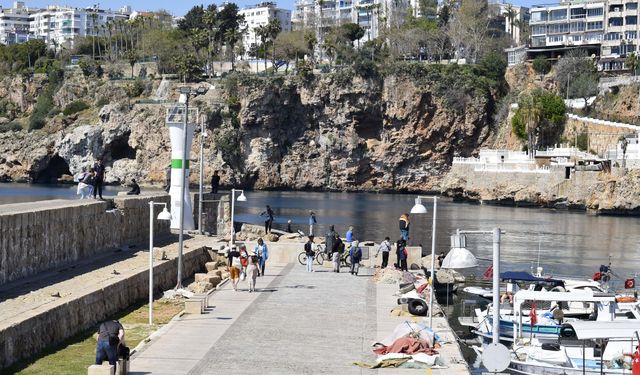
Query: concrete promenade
(296, 323)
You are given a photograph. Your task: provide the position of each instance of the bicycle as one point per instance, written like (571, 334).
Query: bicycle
(319, 255)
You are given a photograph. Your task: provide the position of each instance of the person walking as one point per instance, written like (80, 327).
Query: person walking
(244, 261)
(312, 222)
(404, 226)
(215, 182)
(385, 248)
(329, 240)
(110, 336)
(135, 188)
(100, 174)
(262, 252)
(252, 271)
(349, 235)
(268, 215)
(337, 250)
(401, 252)
(289, 230)
(234, 267)
(85, 184)
(355, 253)
(308, 250)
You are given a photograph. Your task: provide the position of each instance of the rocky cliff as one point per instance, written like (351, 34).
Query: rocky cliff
(337, 132)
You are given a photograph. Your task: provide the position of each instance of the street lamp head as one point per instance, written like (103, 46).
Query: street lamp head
(242, 198)
(459, 256)
(165, 214)
(183, 98)
(418, 208)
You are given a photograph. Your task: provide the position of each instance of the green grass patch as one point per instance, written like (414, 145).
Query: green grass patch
(75, 107)
(77, 353)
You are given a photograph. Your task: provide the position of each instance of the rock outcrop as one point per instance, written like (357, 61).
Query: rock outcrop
(279, 133)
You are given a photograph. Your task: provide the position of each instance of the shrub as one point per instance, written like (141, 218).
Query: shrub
(90, 68)
(541, 65)
(113, 72)
(75, 107)
(44, 105)
(12, 126)
(135, 89)
(143, 72)
(102, 102)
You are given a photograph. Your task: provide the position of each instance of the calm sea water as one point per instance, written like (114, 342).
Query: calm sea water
(566, 243)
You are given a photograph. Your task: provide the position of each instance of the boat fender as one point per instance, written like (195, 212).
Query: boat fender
(417, 307)
(567, 331)
(558, 289)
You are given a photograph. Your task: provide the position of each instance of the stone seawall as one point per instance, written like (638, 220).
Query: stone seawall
(41, 235)
(27, 333)
(616, 192)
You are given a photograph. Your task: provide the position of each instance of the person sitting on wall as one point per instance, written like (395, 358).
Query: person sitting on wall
(110, 337)
(135, 188)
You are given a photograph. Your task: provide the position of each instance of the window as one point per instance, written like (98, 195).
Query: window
(556, 39)
(538, 30)
(577, 13)
(577, 27)
(612, 36)
(558, 15)
(576, 38)
(631, 20)
(558, 29)
(595, 12)
(615, 21)
(539, 16)
(597, 25)
(630, 34)
(632, 6)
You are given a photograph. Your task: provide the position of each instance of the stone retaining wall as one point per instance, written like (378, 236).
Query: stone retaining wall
(51, 327)
(42, 235)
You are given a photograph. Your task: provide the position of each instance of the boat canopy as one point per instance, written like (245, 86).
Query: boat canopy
(617, 329)
(526, 276)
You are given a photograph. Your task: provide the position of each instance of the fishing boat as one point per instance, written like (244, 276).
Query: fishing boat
(581, 347)
(550, 309)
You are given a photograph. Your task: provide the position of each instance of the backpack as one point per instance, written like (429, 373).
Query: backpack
(341, 248)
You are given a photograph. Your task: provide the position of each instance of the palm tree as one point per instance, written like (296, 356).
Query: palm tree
(110, 28)
(262, 32)
(623, 144)
(96, 31)
(93, 17)
(531, 113)
(273, 29)
(511, 13)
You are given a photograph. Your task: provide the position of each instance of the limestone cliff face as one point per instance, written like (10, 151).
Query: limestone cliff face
(375, 135)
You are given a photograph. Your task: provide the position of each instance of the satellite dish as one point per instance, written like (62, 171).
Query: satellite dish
(496, 357)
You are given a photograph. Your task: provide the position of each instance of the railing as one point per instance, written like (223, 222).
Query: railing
(604, 122)
(501, 168)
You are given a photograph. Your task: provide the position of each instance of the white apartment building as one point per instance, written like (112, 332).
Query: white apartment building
(260, 15)
(14, 23)
(60, 25)
(512, 24)
(608, 28)
(313, 15)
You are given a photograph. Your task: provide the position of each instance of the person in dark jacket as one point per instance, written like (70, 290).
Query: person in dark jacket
(99, 178)
(329, 240)
(404, 226)
(355, 253)
(268, 215)
(215, 182)
(110, 335)
(135, 188)
(401, 253)
(337, 250)
(308, 250)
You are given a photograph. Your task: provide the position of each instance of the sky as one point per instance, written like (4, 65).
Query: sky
(178, 8)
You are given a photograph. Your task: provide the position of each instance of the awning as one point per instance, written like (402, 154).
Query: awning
(526, 276)
(617, 329)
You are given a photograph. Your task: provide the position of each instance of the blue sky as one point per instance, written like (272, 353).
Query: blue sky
(178, 7)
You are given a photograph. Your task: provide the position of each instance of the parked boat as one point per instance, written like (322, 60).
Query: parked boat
(581, 347)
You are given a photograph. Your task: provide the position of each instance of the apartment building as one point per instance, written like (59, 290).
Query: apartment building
(606, 28)
(14, 23)
(58, 26)
(260, 15)
(512, 18)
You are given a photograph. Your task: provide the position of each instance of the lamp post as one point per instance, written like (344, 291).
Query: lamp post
(164, 215)
(241, 198)
(203, 136)
(418, 208)
(185, 92)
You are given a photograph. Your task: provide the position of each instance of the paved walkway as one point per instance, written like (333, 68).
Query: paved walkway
(297, 323)
(300, 323)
